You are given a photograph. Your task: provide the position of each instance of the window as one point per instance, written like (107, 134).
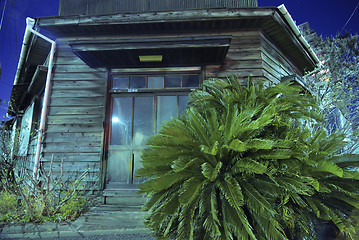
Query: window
(156, 82)
(25, 131)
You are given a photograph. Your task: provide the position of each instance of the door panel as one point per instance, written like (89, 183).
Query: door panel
(118, 165)
(137, 165)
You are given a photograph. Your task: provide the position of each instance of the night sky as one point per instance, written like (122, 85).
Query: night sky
(326, 17)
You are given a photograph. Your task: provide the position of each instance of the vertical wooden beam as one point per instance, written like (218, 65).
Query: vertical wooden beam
(106, 134)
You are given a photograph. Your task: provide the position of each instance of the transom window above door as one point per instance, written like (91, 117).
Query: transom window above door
(156, 79)
(170, 81)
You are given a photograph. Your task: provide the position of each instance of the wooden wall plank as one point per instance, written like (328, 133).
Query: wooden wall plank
(77, 84)
(72, 148)
(75, 128)
(78, 93)
(73, 157)
(93, 138)
(74, 68)
(79, 76)
(73, 166)
(243, 55)
(77, 101)
(68, 59)
(256, 73)
(79, 119)
(76, 110)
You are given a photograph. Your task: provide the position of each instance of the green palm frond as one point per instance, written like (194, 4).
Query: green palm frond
(237, 223)
(185, 228)
(241, 164)
(232, 191)
(250, 166)
(326, 166)
(163, 182)
(190, 189)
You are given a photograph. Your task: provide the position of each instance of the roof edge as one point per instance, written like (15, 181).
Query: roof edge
(157, 16)
(283, 10)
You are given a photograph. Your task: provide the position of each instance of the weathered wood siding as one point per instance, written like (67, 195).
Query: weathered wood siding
(74, 131)
(243, 58)
(275, 64)
(253, 54)
(94, 7)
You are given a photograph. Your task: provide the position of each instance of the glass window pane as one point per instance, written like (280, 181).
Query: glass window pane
(155, 82)
(25, 131)
(120, 82)
(137, 82)
(143, 120)
(166, 108)
(190, 81)
(121, 121)
(172, 81)
(182, 104)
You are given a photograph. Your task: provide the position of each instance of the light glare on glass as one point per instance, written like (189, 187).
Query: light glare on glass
(115, 119)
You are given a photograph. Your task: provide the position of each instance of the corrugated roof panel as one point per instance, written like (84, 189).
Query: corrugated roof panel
(95, 7)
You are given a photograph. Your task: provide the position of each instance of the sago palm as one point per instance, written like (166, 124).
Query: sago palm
(240, 164)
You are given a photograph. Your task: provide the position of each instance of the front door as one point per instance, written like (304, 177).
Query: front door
(138, 111)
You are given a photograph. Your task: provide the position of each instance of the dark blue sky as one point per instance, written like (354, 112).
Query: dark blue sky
(326, 17)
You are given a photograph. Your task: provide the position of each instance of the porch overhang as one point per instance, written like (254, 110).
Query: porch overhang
(170, 51)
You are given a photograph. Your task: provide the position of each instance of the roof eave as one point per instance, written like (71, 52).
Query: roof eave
(283, 10)
(66, 25)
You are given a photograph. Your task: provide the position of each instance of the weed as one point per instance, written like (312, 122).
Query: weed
(42, 200)
(74, 207)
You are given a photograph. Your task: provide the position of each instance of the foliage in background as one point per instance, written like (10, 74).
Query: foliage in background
(7, 163)
(336, 84)
(241, 164)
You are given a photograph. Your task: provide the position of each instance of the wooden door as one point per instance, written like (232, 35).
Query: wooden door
(132, 125)
(140, 104)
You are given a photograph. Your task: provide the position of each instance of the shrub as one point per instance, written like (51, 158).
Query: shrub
(43, 199)
(23, 198)
(9, 206)
(241, 164)
(54, 208)
(74, 206)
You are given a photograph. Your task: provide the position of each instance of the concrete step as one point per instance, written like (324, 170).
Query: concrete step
(113, 207)
(123, 197)
(122, 192)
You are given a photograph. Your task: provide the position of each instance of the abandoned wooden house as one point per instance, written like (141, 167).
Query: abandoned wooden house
(96, 81)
